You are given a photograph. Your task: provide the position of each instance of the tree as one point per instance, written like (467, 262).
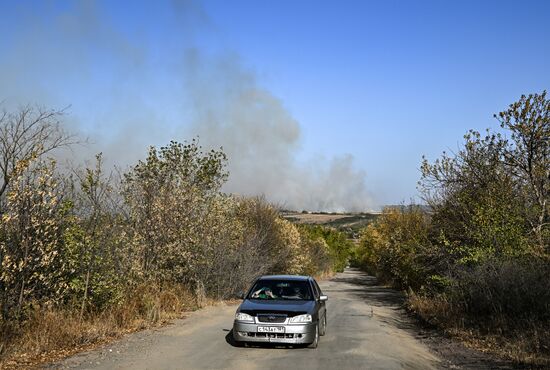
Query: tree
(396, 247)
(169, 196)
(29, 132)
(94, 201)
(31, 246)
(477, 210)
(528, 157)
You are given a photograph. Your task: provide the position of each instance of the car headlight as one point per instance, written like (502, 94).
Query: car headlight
(301, 318)
(241, 316)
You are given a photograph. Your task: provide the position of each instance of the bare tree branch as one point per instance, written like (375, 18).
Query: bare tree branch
(31, 131)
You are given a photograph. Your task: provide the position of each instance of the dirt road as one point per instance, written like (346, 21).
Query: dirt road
(366, 330)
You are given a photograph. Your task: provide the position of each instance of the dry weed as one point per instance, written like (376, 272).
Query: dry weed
(49, 334)
(527, 343)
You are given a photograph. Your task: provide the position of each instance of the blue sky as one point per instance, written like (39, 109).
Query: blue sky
(383, 81)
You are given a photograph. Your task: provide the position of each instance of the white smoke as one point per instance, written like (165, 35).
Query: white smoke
(262, 141)
(122, 105)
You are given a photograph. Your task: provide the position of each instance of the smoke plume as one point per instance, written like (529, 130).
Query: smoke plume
(120, 100)
(262, 139)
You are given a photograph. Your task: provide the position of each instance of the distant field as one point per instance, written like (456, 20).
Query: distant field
(344, 221)
(314, 218)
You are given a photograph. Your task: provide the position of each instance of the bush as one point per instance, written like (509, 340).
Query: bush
(338, 246)
(102, 256)
(499, 304)
(396, 247)
(478, 263)
(503, 292)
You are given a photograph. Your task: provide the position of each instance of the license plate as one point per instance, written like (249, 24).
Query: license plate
(271, 329)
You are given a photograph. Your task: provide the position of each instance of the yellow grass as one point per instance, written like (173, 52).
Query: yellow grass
(528, 345)
(51, 334)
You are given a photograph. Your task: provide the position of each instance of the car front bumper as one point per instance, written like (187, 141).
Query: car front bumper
(294, 334)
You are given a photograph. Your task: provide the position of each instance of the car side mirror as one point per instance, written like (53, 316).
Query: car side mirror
(240, 295)
(323, 298)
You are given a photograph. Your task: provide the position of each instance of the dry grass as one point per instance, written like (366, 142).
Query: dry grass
(526, 342)
(50, 334)
(315, 218)
(500, 306)
(324, 275)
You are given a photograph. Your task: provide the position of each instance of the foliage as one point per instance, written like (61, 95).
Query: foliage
(528, 159)
(478, 260)
(397, 247)
(81, 243)
(502, 291)
(31, 247)
(338, 245)
(27, 133)
(477, 208)
(169, 197)
(488, 201)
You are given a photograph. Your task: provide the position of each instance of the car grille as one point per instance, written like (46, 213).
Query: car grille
(272, 335)
(272, 318)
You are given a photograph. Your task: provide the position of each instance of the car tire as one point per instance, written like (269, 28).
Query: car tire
(323, 330)
(315, 342)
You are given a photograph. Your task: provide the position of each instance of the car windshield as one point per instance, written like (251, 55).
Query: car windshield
(281, 290)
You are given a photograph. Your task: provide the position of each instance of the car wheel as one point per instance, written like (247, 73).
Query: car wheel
(315, 342)
(324, 326)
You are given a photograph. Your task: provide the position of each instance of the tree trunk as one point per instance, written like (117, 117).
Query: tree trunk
(85, 298)
(22, 292)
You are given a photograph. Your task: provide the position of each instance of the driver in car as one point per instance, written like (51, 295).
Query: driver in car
(298, 293)
(264, 293)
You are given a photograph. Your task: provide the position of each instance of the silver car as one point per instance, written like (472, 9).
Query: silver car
(286, 309)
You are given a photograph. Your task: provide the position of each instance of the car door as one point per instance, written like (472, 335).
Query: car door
(321, 304)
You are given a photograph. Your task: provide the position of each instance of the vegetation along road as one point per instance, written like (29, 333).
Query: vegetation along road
(366, 329)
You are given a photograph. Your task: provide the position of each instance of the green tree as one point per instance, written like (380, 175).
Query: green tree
(528, 158)
(338, 245)
(477, 210)
(396, 247)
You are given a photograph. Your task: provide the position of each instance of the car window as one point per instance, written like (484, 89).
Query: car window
(281, 290)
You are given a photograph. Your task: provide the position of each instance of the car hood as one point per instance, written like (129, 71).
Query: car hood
(290, 308)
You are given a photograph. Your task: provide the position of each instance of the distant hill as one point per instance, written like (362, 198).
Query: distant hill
(351, 223)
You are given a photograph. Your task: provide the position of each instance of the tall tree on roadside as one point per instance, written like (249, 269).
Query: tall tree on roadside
(31, 264)
(25, 134)
(168, 196)
(528, 157)
(477, 210)
(95, 200)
